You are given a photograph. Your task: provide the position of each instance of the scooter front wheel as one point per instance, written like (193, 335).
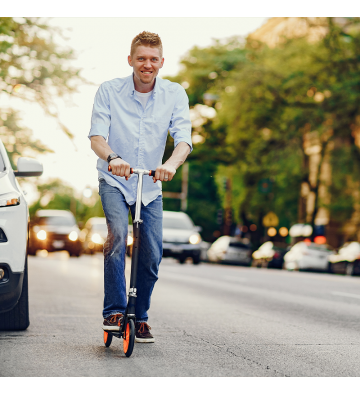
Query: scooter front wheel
(129, 338)
(107, 338)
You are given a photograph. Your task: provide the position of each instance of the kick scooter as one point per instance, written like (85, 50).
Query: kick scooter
(127, 328)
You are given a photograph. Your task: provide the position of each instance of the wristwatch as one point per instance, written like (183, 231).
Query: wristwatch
(113, 156)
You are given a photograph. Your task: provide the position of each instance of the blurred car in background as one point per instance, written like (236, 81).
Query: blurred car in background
(181, 238)
(347, 260)
(94, 235)
(14, 220)
(270, 255)
(306, 255)
(228, 249)
(54, 230)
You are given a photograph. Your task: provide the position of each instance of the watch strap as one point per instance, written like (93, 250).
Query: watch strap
(113, 156)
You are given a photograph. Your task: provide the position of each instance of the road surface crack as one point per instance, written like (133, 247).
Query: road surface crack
(228, 351)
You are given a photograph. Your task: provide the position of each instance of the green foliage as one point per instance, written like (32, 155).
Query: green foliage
(56, 194)
(277, 99)
(204, 68)
(32, 66)
(18, 140)
(272, 104)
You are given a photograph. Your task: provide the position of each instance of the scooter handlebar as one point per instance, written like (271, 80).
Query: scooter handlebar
(151, 172)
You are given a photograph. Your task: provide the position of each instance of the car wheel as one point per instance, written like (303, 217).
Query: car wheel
(196, 260)
(17, 319)
(349, 270)
(330, 268)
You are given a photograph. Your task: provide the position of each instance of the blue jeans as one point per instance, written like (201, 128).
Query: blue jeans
(150, 253)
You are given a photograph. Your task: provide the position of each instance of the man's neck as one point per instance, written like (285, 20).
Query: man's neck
(143, 88)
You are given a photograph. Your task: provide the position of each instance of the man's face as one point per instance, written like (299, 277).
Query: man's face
(146, 63)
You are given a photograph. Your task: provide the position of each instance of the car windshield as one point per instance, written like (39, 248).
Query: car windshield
(57, 221)
(238, 244)
(99, 227)
(178, 223)
(2, 163)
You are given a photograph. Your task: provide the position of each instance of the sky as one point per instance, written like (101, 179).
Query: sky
(101, 46)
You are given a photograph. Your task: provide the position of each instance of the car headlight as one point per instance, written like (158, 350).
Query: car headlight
(130, 240)
(41, 235)
(195, 239)
(96, 238)
(73, 236)
(9, 199)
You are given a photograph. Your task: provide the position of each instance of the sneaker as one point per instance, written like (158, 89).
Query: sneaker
(113, 322)
(142, 333)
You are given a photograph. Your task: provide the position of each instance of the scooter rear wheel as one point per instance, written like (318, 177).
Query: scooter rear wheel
(129, 338)
(107, 338)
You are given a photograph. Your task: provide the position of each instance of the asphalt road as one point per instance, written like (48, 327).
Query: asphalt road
(208, 320)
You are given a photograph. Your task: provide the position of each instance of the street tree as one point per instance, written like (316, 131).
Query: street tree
(33, 67)
(289, 112)
(203, 73)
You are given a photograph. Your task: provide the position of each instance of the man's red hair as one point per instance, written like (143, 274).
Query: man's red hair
(148, 40)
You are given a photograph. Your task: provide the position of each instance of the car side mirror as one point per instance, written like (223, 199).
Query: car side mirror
(198, 229)
(28, 167)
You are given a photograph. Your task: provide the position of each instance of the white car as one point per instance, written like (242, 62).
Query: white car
(14, 218)
(228, 249)
(181, 238)
(303, 256)
(347, 260)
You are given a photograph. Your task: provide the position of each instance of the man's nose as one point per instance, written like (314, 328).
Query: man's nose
(147, 63)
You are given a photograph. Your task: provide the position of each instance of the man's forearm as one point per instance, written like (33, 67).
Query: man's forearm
(100, 147)
(179, 155)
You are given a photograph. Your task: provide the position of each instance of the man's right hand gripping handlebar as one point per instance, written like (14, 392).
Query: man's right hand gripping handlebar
(121, 168)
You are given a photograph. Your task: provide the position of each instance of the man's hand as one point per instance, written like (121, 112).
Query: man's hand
(120, 168)
(164, 172)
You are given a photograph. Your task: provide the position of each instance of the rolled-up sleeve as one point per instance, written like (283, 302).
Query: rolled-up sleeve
(180, 125)
(100, 119)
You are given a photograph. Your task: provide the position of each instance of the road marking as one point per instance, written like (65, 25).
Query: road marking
(346, 294)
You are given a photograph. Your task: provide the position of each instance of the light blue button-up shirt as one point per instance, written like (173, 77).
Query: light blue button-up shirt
(136, 134)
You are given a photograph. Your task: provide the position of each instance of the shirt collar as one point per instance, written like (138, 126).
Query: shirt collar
(132, 85)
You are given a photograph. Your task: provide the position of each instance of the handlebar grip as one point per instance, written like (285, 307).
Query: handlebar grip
(151, 172)
(131, 169)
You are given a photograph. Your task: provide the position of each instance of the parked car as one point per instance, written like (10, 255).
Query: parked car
(228, 249)
(347, 260)
(307, 255)
(54, 230)
(181, 238)
(94, 236)
(270, 255)
(14, 218)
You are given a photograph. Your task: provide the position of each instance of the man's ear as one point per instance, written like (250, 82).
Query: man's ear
(162, 62)
(129, 61)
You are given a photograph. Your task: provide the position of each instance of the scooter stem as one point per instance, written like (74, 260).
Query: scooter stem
(136, 243)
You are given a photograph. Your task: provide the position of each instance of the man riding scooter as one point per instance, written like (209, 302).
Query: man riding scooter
(129, 125)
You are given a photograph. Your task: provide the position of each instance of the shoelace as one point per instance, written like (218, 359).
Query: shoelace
(142, 327)
(115, 317)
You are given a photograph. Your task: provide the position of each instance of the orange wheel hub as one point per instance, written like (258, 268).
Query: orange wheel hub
(126, 338)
